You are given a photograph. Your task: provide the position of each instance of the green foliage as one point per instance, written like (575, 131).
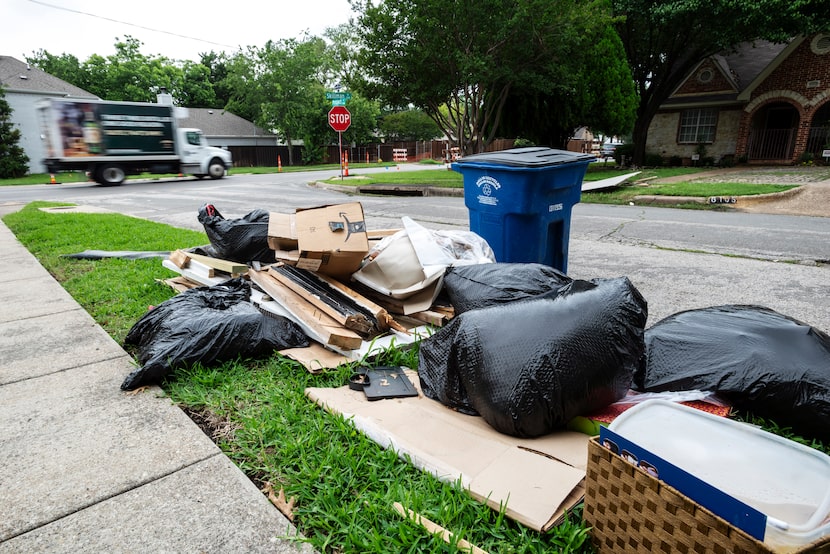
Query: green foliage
(624, 151)
(491, 52)
(129, 75)
(13, 160)
(654, 160)
(590, 85)
(408, 125)
(522, 143)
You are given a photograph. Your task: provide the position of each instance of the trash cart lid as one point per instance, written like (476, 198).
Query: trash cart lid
(532, 156)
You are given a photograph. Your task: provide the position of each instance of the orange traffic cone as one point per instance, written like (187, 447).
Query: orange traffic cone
(279, 164)
(52, 180)
(345, 164)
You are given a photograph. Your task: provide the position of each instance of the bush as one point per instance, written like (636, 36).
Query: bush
(654, 160)
(624, 150)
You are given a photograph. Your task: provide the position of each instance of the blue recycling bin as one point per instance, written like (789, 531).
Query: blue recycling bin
(520, 201)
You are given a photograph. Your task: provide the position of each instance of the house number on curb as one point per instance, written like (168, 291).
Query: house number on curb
(722, 199)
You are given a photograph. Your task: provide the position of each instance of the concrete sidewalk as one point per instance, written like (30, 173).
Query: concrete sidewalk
(85, 467)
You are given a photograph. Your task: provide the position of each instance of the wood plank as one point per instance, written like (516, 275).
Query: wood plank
(233, 268)
(361, 326)
(327, 329)
(194, 275)
(179, 258)
(431, 317)
(370, 320)
(380, 233)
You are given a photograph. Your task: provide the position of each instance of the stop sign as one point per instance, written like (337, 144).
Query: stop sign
(339, 118)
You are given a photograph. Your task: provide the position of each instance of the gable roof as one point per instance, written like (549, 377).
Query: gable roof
(17, 76)
(221, 123)
(744, 68)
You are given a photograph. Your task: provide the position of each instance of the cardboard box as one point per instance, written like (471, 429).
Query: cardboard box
(329, 239)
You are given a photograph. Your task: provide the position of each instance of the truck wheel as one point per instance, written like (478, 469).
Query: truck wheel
(216, 169)
(111, 175)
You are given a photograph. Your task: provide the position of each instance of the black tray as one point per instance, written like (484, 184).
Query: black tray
(388, 382)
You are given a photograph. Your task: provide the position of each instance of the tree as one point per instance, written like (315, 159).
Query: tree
(461, 61)
(664, 41)
(13, 160)
(597, 92)
(129, 75)
(409, 125)
(291, 75)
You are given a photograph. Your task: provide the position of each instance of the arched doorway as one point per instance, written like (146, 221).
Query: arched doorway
(819, 139)
(772, 133)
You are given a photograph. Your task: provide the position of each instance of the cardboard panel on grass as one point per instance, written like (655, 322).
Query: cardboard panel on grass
(536, 480)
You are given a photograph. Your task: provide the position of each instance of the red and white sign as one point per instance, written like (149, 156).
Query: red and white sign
(339, 118)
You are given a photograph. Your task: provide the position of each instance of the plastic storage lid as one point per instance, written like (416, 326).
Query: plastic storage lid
(532, 156)
(787, 481)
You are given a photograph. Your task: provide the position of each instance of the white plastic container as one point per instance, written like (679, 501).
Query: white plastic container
(785, 480)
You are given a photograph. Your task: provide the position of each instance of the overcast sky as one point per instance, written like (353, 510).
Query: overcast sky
(177, 29)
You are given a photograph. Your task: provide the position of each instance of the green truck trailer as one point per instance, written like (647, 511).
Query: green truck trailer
(110, 140)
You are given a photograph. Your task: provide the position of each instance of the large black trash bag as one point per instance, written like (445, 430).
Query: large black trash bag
(529, 367)
(205, 324)
(470, 287)
(240, 240)
(755, 358)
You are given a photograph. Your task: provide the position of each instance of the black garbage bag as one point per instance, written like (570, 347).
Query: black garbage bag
(205, 324)
(470, 287)
(240, 240)
(529, 367)
(754, 357)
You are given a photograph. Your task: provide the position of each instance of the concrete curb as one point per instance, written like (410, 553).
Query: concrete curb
(732, 201)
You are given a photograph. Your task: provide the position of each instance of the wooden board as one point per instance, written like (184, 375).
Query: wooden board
(327, 330)
(233, 268)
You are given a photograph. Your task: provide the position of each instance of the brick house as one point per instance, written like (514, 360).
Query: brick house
(763, 104)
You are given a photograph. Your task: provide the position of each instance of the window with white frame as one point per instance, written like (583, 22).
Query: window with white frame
(697, 125)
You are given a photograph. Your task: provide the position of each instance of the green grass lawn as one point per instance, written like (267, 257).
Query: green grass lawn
(344, 484)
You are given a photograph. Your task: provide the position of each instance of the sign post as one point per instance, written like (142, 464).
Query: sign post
(339, 120)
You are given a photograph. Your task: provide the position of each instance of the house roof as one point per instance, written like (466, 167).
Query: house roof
(744, 68)
(218, 122)
(17, 76)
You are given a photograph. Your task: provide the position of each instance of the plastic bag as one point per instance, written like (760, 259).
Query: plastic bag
(476, 286)
(755, 358)
(205, 324)
(415, 259)
(528, 367)
(239, 240)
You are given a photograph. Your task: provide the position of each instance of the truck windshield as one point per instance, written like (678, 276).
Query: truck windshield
(194, 138)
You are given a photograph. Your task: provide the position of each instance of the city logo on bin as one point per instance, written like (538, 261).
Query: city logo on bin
(486, 185)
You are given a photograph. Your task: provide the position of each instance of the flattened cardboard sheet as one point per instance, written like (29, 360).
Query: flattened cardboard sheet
(537, 479)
